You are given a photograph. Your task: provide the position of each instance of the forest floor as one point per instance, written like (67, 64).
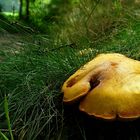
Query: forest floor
(10, 41)
(14, 43)
(32, 74)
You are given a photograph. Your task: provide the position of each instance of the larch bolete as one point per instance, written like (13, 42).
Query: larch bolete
(107, 87)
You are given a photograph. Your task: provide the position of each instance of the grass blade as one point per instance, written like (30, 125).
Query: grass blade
(3, 136)
(7, 117)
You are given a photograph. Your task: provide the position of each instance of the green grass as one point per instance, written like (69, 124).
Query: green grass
(2, 135)
(7, 117)
(33, 77)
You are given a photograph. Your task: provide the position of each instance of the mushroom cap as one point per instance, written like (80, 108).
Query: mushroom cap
(108, 87)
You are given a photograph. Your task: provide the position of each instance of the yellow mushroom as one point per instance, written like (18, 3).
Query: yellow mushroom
(108, 87)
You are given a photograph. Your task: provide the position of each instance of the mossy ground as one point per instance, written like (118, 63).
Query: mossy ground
(33, 68)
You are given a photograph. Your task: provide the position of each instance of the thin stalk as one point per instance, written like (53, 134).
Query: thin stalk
(7, 117)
